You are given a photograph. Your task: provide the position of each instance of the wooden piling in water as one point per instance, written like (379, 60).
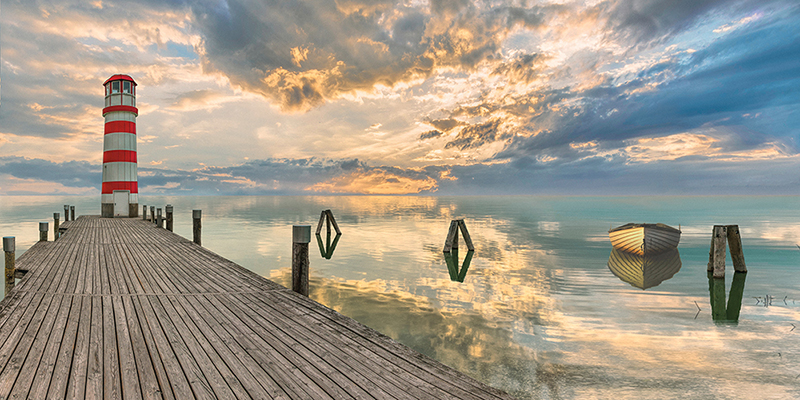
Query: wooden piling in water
(301, 236)
(56, 217)
(43, 231)
(9, 249)
(451, 243)
(72, 213)
(196, 226)
(327, 217)
(169, 217)
(721, 235)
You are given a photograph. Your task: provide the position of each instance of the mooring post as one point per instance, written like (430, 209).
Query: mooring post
(159, 218)
(301, 236)
(66, 212)
(144, 212)
(196, 216)
(448, 242)
(169, 217)
(55, 226)
(719, 239)
(465, 234)
(9, 250)
(72, 213)
(43, 231)
(332, 220)
(735, 244)
(153, 214)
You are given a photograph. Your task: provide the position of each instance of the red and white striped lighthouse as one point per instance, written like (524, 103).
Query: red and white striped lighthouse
(120, 194)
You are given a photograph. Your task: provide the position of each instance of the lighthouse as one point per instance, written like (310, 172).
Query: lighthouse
(120, 193)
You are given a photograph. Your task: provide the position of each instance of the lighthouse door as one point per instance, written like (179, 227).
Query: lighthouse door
(121, 208)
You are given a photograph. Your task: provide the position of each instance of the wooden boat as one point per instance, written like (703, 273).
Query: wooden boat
(644, 239)
(644, 271)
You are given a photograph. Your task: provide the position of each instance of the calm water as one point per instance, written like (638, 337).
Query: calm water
(539, 314)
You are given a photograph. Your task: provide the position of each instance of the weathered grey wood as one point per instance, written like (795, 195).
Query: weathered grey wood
(66, 212)
(72, 213)
(159, 218)
(168, 210)
(197, 226)
(719, 239)
(332, 220)
(301, 236)
(451, 233)
(465, 233)
(322, 218)
(144, 212)
(119, 308)
(735, 245)
(55, 226)
(43, 231)
(9, 250)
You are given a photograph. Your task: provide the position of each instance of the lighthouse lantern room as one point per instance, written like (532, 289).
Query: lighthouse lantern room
(120, 193)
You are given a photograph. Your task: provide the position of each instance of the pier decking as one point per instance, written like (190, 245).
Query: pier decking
(118, 308)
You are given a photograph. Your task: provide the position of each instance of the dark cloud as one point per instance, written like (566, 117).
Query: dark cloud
(445, 124)
(430, 134)
(69, 173)
(474, 136)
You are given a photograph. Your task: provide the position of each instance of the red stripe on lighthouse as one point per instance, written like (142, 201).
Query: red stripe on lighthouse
(110, 187)
(121, 108)
(119, 156)
(120, 126)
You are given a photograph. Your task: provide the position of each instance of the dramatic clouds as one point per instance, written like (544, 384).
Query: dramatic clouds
(460, 97)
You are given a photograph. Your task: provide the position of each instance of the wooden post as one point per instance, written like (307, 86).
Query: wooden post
(9, 250)
(153, 214)
(196, 226)
(55, 226)
(322, 217)
(169, 217)
(66, 212)
(72, 213)
(43, 231)
(719, 239)
(333, 221)
(144, 212)
(301, 236)
(735, 244)
(159, 218)
(465, 234)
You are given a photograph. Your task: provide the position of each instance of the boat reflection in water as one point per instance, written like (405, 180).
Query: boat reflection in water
(451, 259)
(720, 312)
(645, 271)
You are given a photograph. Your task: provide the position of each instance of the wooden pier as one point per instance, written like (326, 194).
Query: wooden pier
(122, 309)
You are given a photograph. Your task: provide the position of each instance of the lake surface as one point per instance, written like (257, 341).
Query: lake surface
(539, 314)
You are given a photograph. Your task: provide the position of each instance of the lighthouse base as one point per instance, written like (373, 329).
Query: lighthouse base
(107, 210)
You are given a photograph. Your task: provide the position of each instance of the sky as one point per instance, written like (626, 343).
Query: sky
(439, 97)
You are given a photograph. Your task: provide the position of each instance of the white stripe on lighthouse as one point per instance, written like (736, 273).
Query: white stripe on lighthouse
(120, 171)
(119, 141)
(120, 116)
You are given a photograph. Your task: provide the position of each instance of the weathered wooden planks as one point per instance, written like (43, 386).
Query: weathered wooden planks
(118, 308)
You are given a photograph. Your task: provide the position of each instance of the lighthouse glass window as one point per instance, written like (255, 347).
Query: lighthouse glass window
(126, 87)
(115, 87)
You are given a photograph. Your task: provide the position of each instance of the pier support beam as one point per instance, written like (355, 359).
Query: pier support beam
(72, 213)
(196, 226)
(159, 218)
(66, 212)
(144, 212)
(55, 226)
(10, 253)
(168, 210)
(301, 236)
(153, 214)
(43, 231)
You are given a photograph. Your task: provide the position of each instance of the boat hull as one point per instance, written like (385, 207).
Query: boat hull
(642, 239)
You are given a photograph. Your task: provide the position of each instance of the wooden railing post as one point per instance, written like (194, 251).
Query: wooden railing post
(72, 213)
(301, 236)
(196, 226)
(153, 214)
(9, 250)
(66, 212)
(43, 231)
(55, 226)
(168, 209)
(144, 212)
(159, 218)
